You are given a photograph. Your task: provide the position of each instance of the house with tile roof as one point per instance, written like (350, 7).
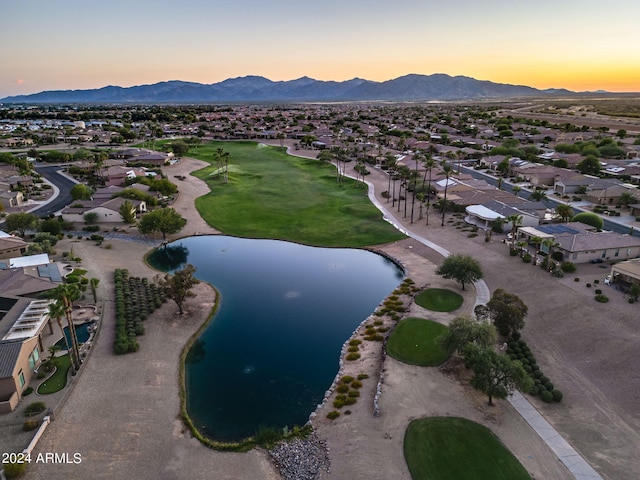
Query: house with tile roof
(22, 322)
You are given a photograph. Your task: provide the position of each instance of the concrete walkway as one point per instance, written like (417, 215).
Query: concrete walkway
(574, 462)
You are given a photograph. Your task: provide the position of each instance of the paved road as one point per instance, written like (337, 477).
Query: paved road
(62, 184)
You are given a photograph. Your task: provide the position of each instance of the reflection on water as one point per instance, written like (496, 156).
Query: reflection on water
(273, 347)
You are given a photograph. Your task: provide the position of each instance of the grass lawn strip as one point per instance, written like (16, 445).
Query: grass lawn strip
(274, 195)
(446, 448)
(58, 380)
(439, 300)
(415, 341)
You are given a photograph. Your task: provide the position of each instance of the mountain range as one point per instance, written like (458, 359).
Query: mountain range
(413, 87)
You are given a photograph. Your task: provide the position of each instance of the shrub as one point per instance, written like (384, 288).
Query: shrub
(597, 291)
(346, 379)
(14, 470)
(546, 396)
(596, 281)
(557, 272)
(333, 415)
(526, 258)
(588, 285)
(356, 383)
(557, 395)
(534, 390)
(363, 376)
(353, 356)
(601, 298)
(355, 342)
(576, 279)
(30, 425)
(353, 393)
(342, 388)
(28, 391)
(34, 408)
(353, 349)
(568, 267)
(338, 402)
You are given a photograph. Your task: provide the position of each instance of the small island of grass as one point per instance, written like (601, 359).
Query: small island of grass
(441, 448)
(415, 341)
(439, 300)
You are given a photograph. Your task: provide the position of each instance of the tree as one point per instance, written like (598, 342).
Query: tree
(57, 311)
(90, 218)
(178, 287)
(516, 221)
(516, 189)
(538, 196)
(626, 199)
(448, 171)
(508, 312)
(461, 268)
(80, 191)
(93, 283)
(20, 222)
(589, 218)
(464, 330)
(589, 166)
(66, 294)
(494, 374)
(163, 220)
(127, 212)
(564, 211)
(179, 148)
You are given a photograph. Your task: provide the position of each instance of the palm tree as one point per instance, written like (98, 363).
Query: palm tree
(57, 311)
(429, 164)
(516, 189)
(626, 199)
(448, 171)
(414, 179)
(66, 294)
(515, 220)
(564, 211)
(538, 195)
(391, 163)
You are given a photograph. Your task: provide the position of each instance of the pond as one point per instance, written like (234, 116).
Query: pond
(273, 348)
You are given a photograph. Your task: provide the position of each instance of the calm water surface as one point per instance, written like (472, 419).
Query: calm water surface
(273, 348)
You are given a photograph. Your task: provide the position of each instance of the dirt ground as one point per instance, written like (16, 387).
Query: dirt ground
(122, 415)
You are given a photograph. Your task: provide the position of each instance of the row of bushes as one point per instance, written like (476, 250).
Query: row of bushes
(519, 350)
(348, 391)
(135, 299)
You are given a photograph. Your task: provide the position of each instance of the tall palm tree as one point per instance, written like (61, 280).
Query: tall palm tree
(57, 311)
(414, 176)
(448, 171)
(429, 164)
(538, 196)
(515, 220)
(66, 294)
(391, 163)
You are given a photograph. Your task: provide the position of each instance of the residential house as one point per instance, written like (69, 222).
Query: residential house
(484, 215)
(22, 322)
(11, 246)
(580, 243)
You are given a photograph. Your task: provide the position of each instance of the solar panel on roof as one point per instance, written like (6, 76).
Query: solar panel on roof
(555, 229)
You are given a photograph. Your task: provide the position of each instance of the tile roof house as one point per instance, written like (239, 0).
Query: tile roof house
(22, 322)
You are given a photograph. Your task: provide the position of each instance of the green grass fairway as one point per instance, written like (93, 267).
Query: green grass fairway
(58, 380)
(414, 341)
(439, 300)
(274, 195)
(454, 448)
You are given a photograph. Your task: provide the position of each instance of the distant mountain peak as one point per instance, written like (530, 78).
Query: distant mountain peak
(254, 88)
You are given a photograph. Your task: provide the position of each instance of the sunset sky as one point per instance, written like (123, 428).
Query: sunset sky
(71, 44)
